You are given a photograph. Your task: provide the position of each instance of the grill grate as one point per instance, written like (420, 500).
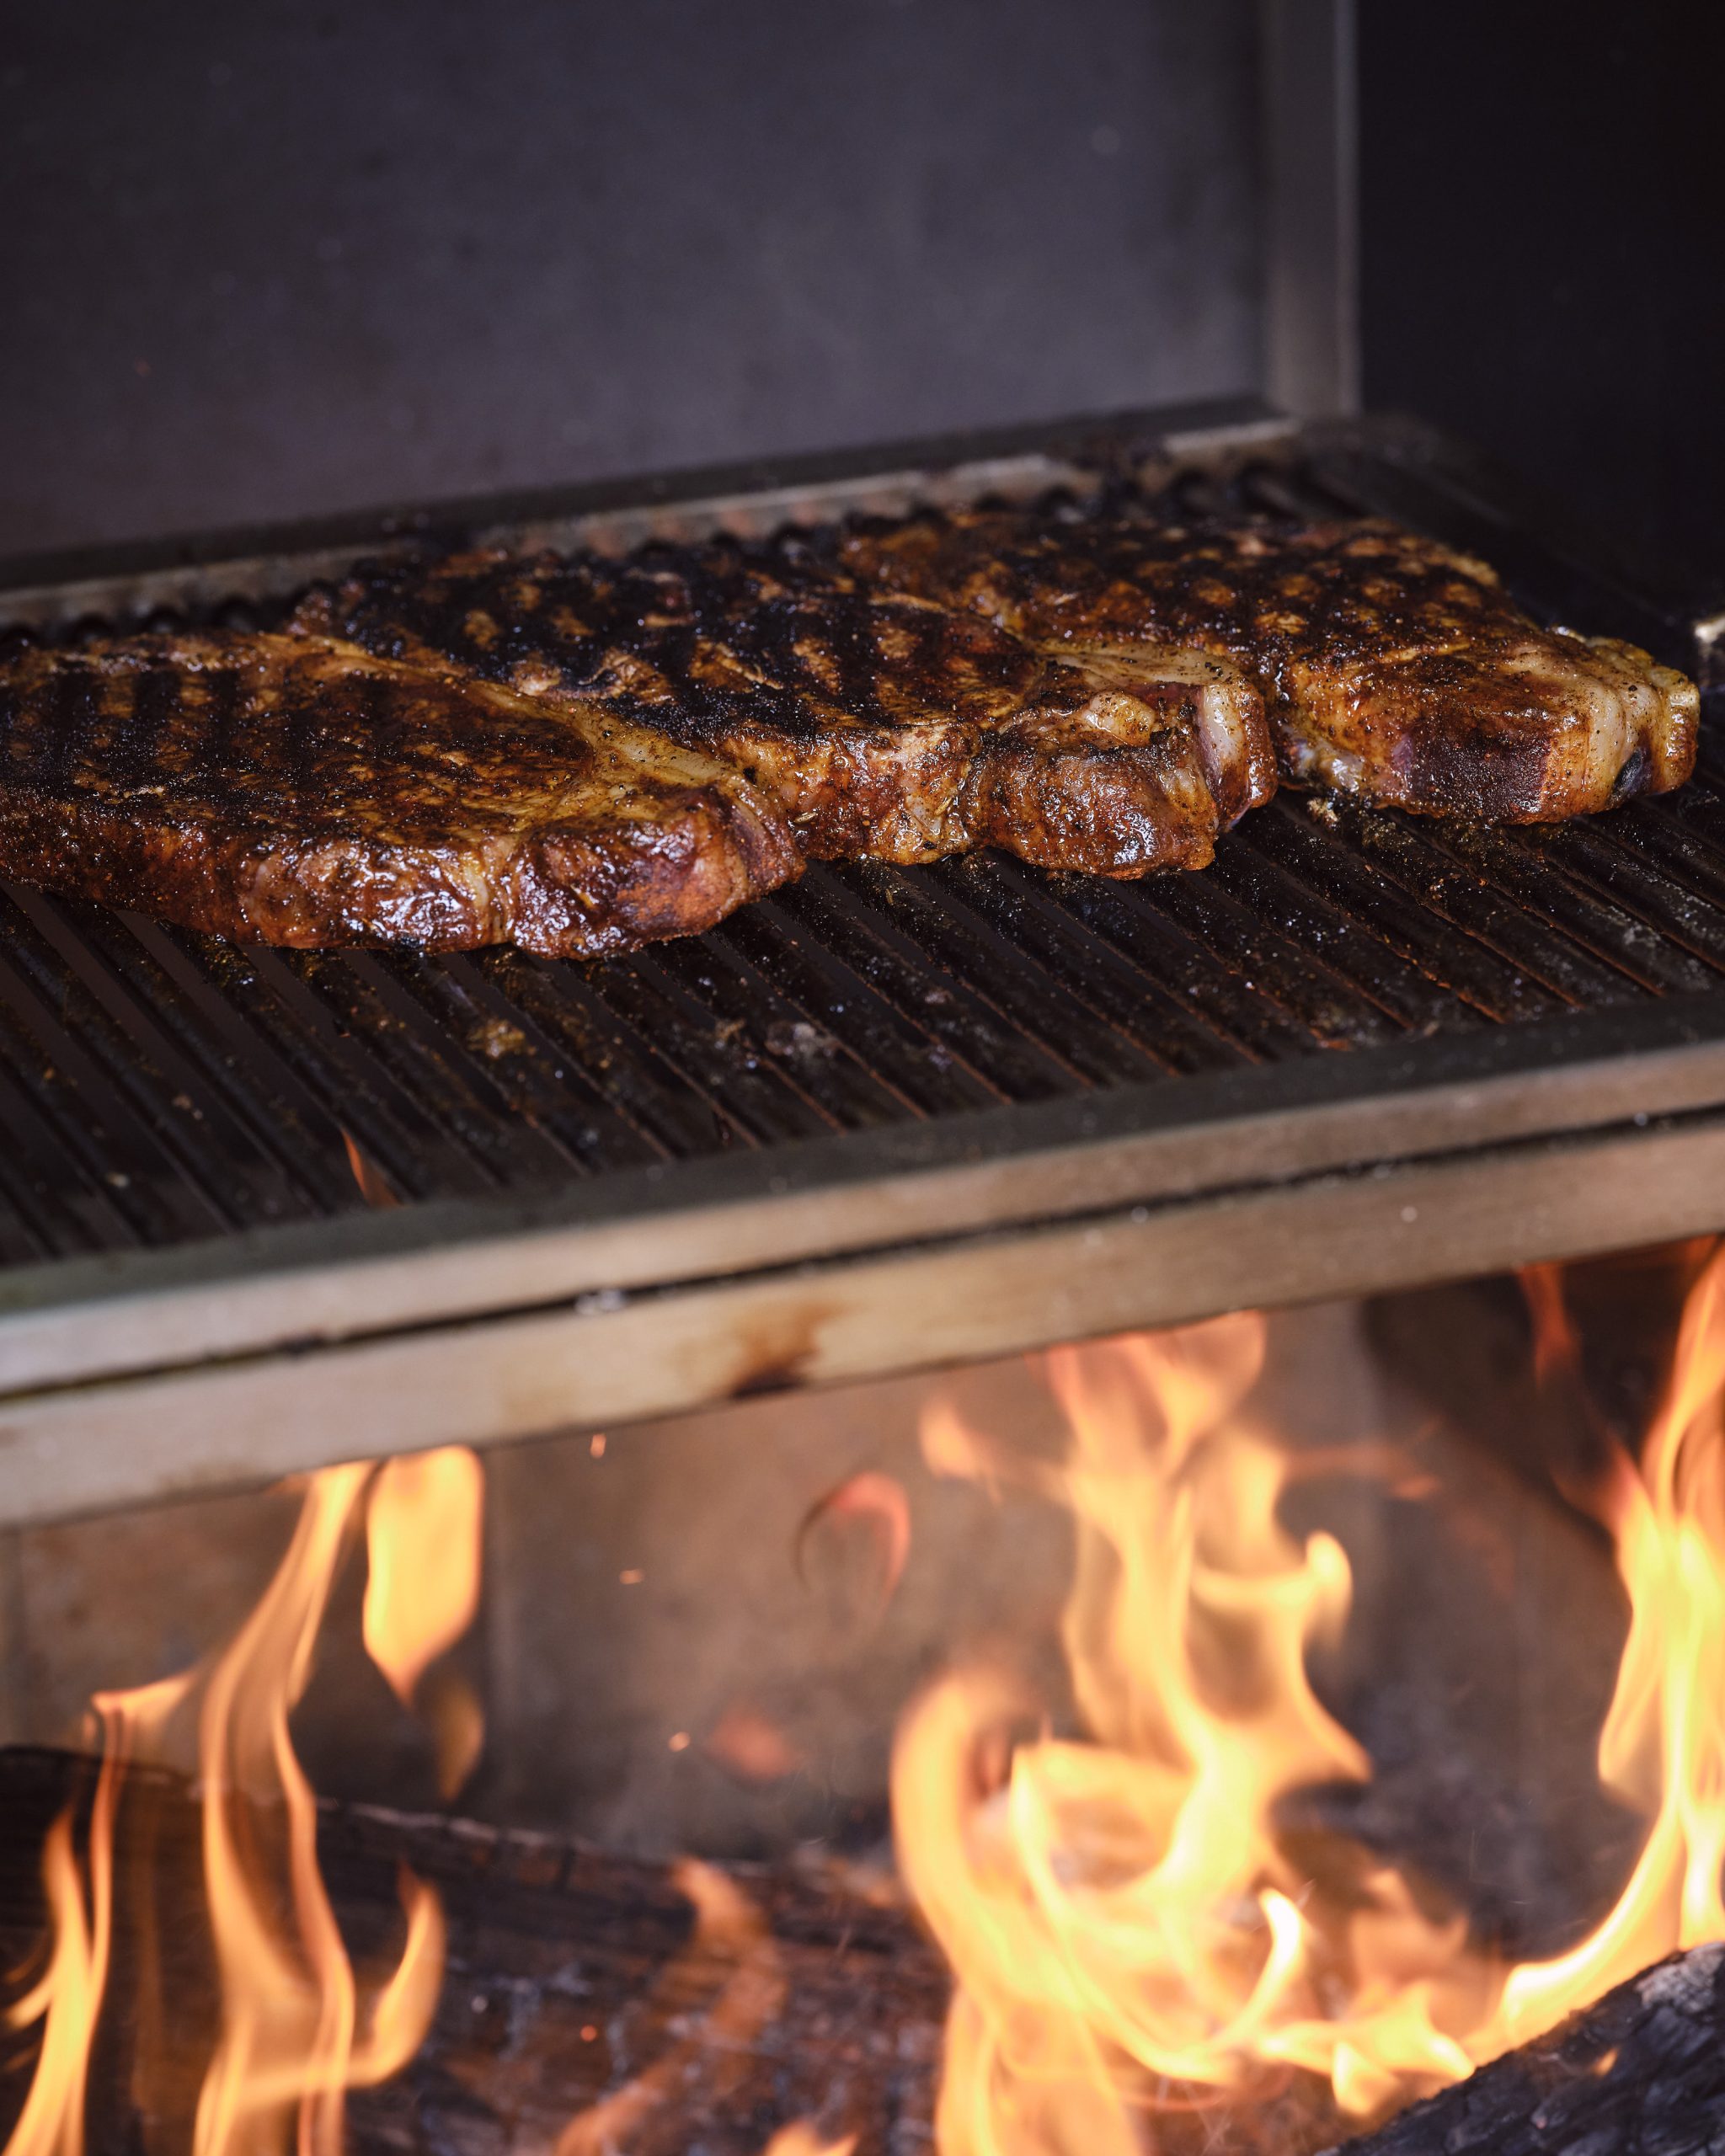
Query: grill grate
(163, 1089)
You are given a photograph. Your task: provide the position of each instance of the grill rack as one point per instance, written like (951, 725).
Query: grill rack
(263, 1209)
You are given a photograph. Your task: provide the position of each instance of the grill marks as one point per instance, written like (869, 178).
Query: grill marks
(694, 641)
(158, 697)
(714, 633)
(879, 723)
(298, 791)
(581, 754)
(73, 719)
(1392, 668)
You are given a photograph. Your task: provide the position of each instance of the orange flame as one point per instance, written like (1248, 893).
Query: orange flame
(290, 2043)
(802, 2139)
(423, 1546)
(293, 2038)
(1127, 1924)
(1555, 1345)
(424, 1537)
(66, 1999)
(1662, 1747)
(372, 1185)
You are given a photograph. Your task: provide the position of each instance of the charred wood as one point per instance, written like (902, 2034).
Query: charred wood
(1640, 2073)
(577, 1980)
(572, 1976)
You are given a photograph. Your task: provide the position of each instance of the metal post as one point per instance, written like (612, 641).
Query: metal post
(1312, 225)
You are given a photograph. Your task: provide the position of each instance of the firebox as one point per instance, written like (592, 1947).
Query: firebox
(983, 1508)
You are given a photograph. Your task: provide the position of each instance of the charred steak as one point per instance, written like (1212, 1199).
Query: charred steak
(580, 755)
(1390, 668)
(298, 790)
(881, 722)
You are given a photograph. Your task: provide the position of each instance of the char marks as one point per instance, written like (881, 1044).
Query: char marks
(297, 790)
(581, 754)
(1392, 667)
(881, 722)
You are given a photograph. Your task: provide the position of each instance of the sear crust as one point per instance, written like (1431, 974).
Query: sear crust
(882, 723)
(580, 755)
(1390, 668)
(297, 790)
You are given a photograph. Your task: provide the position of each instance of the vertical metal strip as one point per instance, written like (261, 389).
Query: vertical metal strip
(1310, 104)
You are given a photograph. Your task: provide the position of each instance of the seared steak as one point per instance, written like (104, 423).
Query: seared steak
(880, 722)
(1390, 667)
(299, 791)
(580, 755)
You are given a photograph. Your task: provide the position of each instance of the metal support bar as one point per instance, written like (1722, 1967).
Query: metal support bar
(67, 1324)
(1312, 222)
(99, 1446)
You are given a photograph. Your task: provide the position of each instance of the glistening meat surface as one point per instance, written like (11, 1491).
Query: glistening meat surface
(880, 722)
(581, 758)
(1392, 667)
(297, 790)
(581, 755)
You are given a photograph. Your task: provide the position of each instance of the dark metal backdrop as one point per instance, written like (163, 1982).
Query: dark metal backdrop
(269, 260)
(262, 1209)
(1543, 267)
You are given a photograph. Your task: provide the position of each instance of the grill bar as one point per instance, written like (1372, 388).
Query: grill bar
(218, 1153)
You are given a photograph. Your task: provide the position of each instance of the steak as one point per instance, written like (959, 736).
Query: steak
(880, 722)
(1390, 667)
(298, 790)
(581, 754)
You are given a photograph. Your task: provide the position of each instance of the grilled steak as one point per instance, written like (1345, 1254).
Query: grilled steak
(881, 722)
(299, 791)
(1390, 667)
(580, 756)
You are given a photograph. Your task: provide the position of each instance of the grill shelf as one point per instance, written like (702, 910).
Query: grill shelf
(229, 1164)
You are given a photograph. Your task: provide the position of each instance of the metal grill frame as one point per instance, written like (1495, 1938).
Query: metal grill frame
(137, 1376)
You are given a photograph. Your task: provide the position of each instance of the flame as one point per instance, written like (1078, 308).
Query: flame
(1130, 1921)
(1662, 1746)
(803, 2139)
(423, 1548)
(294, 2035)
(424, 1537)
(1129, 1924)
(66, 1999)
(1555, 1346)
(290, 2042)
(950, 1448)
(372, 1184)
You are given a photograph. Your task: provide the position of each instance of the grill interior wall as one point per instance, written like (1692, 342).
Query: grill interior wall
(269, 263)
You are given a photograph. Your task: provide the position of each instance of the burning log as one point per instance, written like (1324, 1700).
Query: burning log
(1641, 2073)
(677, 2005)
(588, 1995)
(590, 2002)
